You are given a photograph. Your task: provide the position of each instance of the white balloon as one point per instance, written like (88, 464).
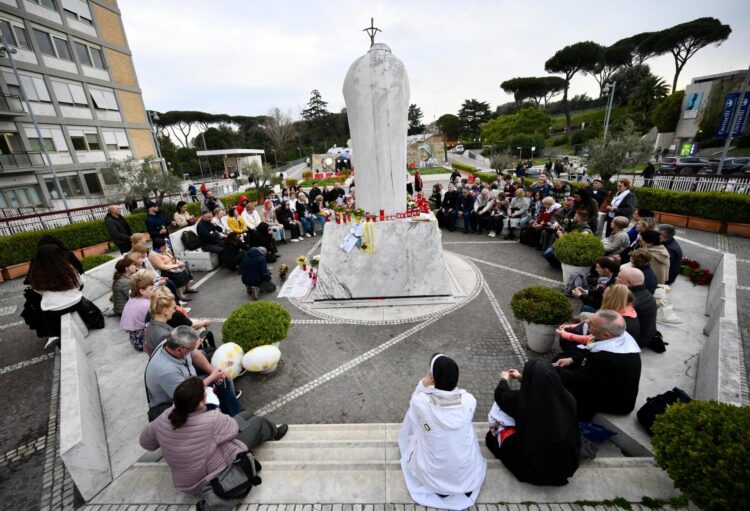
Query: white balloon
(262, 358)
(228, 357)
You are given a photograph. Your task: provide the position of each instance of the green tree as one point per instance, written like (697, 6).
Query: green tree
(141, 179)
(415, 120)
(316, 107)
(609, 60)
(650, 91)
(260, 175)
(472, 115)
(686, 39)
(667, 113)
(529, 120)
(537, 89)
(622, 150)
(631, 51)
(449, 125)
(568, 61)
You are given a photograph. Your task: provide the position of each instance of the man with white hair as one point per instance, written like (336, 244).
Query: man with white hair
(118, 229)
(603, 375)
(644, 303)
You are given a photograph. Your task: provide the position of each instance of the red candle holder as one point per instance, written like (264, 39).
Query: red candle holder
(382, 215)
(338, 218)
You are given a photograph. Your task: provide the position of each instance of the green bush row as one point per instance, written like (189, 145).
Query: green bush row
(93, 261)
(723, 206)
(21, 247)
(487, 178)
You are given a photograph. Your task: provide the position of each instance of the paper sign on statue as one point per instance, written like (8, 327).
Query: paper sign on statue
(349, 243)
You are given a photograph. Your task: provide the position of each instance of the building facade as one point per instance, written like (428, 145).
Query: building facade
(77, 71)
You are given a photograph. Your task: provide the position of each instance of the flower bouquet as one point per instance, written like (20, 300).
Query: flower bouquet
(302, 262)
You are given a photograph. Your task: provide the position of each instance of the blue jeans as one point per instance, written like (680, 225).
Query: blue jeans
(321, 220)
(308, 225)
(467, 220)
(227, 397)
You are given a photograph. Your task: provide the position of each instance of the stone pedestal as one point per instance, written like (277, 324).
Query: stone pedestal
(407, 263)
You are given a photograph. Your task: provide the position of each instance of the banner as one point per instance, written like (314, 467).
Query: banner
(730, 103)
(692, 105)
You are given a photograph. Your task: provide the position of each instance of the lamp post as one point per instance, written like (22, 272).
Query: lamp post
(8, 51)
(153, 118)
(519, 153)
(275, 158)
(609, 90)
(299, 150)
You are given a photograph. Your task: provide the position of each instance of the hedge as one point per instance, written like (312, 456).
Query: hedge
(21, 247)
(93, 261)
(723, 206)
(487, 178)
(256, 324)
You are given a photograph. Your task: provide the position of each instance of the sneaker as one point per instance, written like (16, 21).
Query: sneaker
(492, 234)
(191, 291)
(185, 300)
(239, 394)
(281, 430)
(314, 234)
(301, 238)
(294, 240)
(307, 235)
(52, 342)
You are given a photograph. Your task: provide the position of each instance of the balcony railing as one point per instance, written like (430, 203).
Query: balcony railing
(11, 105)
(21, 160)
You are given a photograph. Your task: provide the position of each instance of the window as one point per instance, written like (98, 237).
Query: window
(89, 55)
(93, 183)
(77, 10)
(53, 45)
(7, 32)
(71, 186)
(115, 139)
(69, 93)
(34, 85)
(22, 38)
(20, 197)
(85, 139)
(103, 99)
(49, 4)
(52, 138)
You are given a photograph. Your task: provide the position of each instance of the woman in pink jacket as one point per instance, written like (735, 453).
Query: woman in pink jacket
(198, 443)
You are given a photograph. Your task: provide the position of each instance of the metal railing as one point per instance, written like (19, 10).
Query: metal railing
(51, 219)
(21, 160)
(11, 104)
(682, 183)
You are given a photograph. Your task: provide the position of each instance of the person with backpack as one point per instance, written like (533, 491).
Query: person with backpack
(193, 192)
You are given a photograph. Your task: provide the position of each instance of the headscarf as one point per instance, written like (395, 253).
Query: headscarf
(444, 371)
(267, 205)
(241, 204)
(547, 424)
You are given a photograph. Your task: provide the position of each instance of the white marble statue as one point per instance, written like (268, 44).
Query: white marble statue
(376, 91)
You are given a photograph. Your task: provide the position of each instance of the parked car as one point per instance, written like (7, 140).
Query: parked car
(459, 149)
(731, 166)
(682, 164)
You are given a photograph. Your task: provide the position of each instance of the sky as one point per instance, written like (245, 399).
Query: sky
(243, 57)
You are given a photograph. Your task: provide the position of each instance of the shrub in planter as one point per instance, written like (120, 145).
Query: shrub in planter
(462, 166)
(306, 175)
(578, 249)
(541, 305)
(705, 448)
(89, 262)
(256, 324)
(292, 182)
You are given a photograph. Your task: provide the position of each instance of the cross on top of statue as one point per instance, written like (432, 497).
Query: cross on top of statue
(371, 31)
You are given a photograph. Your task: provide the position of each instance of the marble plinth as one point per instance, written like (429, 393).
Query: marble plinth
(407, 262)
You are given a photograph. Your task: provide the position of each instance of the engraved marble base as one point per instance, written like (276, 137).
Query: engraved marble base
(408, 262)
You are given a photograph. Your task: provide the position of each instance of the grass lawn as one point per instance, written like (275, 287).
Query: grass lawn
(321, 182)
(431, 170)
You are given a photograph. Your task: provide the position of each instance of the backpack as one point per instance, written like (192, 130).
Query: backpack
(236, 481)
(657, 405)
(574, 281)
(190, 240)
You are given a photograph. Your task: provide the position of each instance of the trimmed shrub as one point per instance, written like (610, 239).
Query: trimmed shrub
(256, 324)
(558, 141)
(581, 136)
(291, 182)
(578, 249)
(705, 448)
(307, 175)
(723, 206)
(462, 166)
(93, 261)
(345, 174)
(541, 305)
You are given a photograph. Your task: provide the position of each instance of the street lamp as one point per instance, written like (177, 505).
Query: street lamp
(300, 152)
(275, 158)
(153, 118)
(519, 153)
(608, 90)
(9, 52)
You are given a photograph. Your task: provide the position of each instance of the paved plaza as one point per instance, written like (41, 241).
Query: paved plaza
(333, 370)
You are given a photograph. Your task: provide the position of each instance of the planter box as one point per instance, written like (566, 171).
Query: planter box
(672, 219)
(735, 229)
(15, 271)
(101, 248)
(78, 252)
(703, 224)
(539, 338)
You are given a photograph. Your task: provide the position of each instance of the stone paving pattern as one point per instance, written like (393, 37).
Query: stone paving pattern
(385, 507)
(33, 477)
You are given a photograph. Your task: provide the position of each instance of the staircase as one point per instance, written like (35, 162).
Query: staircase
(359, 464)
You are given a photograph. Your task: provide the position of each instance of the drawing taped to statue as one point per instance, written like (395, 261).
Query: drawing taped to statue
(425, 150)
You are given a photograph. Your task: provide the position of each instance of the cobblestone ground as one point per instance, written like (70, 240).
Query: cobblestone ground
(479, 335)
(606, 506)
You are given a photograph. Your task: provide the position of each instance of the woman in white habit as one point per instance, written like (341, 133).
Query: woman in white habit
(440, 455)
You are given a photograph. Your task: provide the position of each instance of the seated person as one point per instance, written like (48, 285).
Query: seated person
(209, 234)
(286, 217)
(532, 234)
(603, 375)
(162, 307)
(543, 446)
(133, 319)
(651, 242)
(251, 217)
(617, 298)
(125, 268)
(177, 359)
(440, 456)
(233, 252)
(263, 237)
(517, 212)
(492, 216)
(644, 303)
(268, 215)
(182, 217)
(641, 259)
(606, 268)
(220, 220)
(447, 206)
(198, 443)
(618, 241)
(464, 209)
(319, 212)
(163, 261)
(255, 273)
(637, 215)
(235, 222)
(644, 224)
(667, 233)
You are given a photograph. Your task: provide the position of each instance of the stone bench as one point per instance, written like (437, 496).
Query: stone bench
(196, 260)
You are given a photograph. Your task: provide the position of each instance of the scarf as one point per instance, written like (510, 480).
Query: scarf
(617, 200)
(622, 344)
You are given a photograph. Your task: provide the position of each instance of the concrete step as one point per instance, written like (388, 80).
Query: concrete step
(359, 463)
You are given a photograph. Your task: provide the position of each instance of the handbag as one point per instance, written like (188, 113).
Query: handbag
(90, 314)
(236, 481)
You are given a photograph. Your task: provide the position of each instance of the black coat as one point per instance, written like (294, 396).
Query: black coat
(627, 206)
(645, 306)
(675, 260)
(118, 229)
(449, 200)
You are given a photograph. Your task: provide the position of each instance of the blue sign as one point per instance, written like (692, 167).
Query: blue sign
(730, 100)
(739, 126)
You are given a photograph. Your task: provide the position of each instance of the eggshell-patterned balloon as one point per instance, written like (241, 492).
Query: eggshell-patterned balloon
(228, 357)
(262, 358)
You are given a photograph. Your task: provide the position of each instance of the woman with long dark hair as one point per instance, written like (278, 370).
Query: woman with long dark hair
(198, 443)
(52, 276)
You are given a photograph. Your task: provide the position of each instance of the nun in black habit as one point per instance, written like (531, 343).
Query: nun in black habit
(545, 446)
